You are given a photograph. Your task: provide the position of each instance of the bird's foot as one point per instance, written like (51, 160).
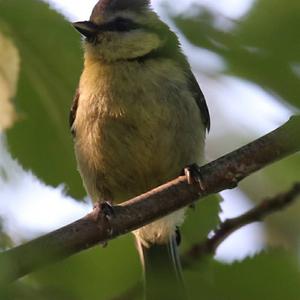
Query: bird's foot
(101, 209)
(108, 210)
(193, 175)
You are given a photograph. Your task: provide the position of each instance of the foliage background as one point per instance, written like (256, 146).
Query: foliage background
(258, 50)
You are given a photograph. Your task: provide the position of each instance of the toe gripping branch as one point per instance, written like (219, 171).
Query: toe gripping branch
(194, 176)
(103, 211)
(108, 210)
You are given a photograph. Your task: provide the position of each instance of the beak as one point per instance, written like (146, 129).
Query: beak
(86, 28)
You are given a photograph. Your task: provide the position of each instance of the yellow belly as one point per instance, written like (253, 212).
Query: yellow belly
(121, 158)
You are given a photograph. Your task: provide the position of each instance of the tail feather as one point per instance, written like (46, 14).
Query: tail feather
(174, 253)
(162, 271)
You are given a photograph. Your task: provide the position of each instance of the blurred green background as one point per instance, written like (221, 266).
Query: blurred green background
(258, 50)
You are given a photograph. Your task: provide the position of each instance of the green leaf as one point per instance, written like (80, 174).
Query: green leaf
(274, 275)
(263, 47)
(5, 241)
(24, 291)
(283, 227)
(50, 67)
(200, 221)
(98, 273)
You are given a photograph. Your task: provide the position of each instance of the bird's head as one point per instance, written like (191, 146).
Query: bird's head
(122, 30)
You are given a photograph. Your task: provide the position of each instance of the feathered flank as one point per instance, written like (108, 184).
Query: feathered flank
(104, 6)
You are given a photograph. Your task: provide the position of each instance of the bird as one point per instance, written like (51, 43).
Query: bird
(138, 119)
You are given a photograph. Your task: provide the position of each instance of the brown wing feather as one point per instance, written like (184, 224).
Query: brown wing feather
(73, 111)
(200, 99)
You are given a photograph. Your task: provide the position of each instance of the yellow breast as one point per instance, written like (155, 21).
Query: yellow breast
(137, 126)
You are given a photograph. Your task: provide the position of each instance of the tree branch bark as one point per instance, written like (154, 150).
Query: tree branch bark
(223, 173)
(229, 226)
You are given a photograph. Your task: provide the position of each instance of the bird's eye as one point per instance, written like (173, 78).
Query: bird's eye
(121, 24)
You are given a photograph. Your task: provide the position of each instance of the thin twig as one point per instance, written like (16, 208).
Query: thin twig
(229, 226)
(224, 173)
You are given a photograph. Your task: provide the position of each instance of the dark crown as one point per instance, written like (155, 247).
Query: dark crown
(104, 6)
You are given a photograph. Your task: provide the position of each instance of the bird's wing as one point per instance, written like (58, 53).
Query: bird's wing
(170, 49)
(73, 111)
(200, 99)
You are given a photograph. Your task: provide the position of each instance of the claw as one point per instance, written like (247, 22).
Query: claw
(103, 211)
(194, 175)
(107, 209)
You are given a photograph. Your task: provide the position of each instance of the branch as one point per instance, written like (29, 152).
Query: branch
(224, 173)
(229, 226)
